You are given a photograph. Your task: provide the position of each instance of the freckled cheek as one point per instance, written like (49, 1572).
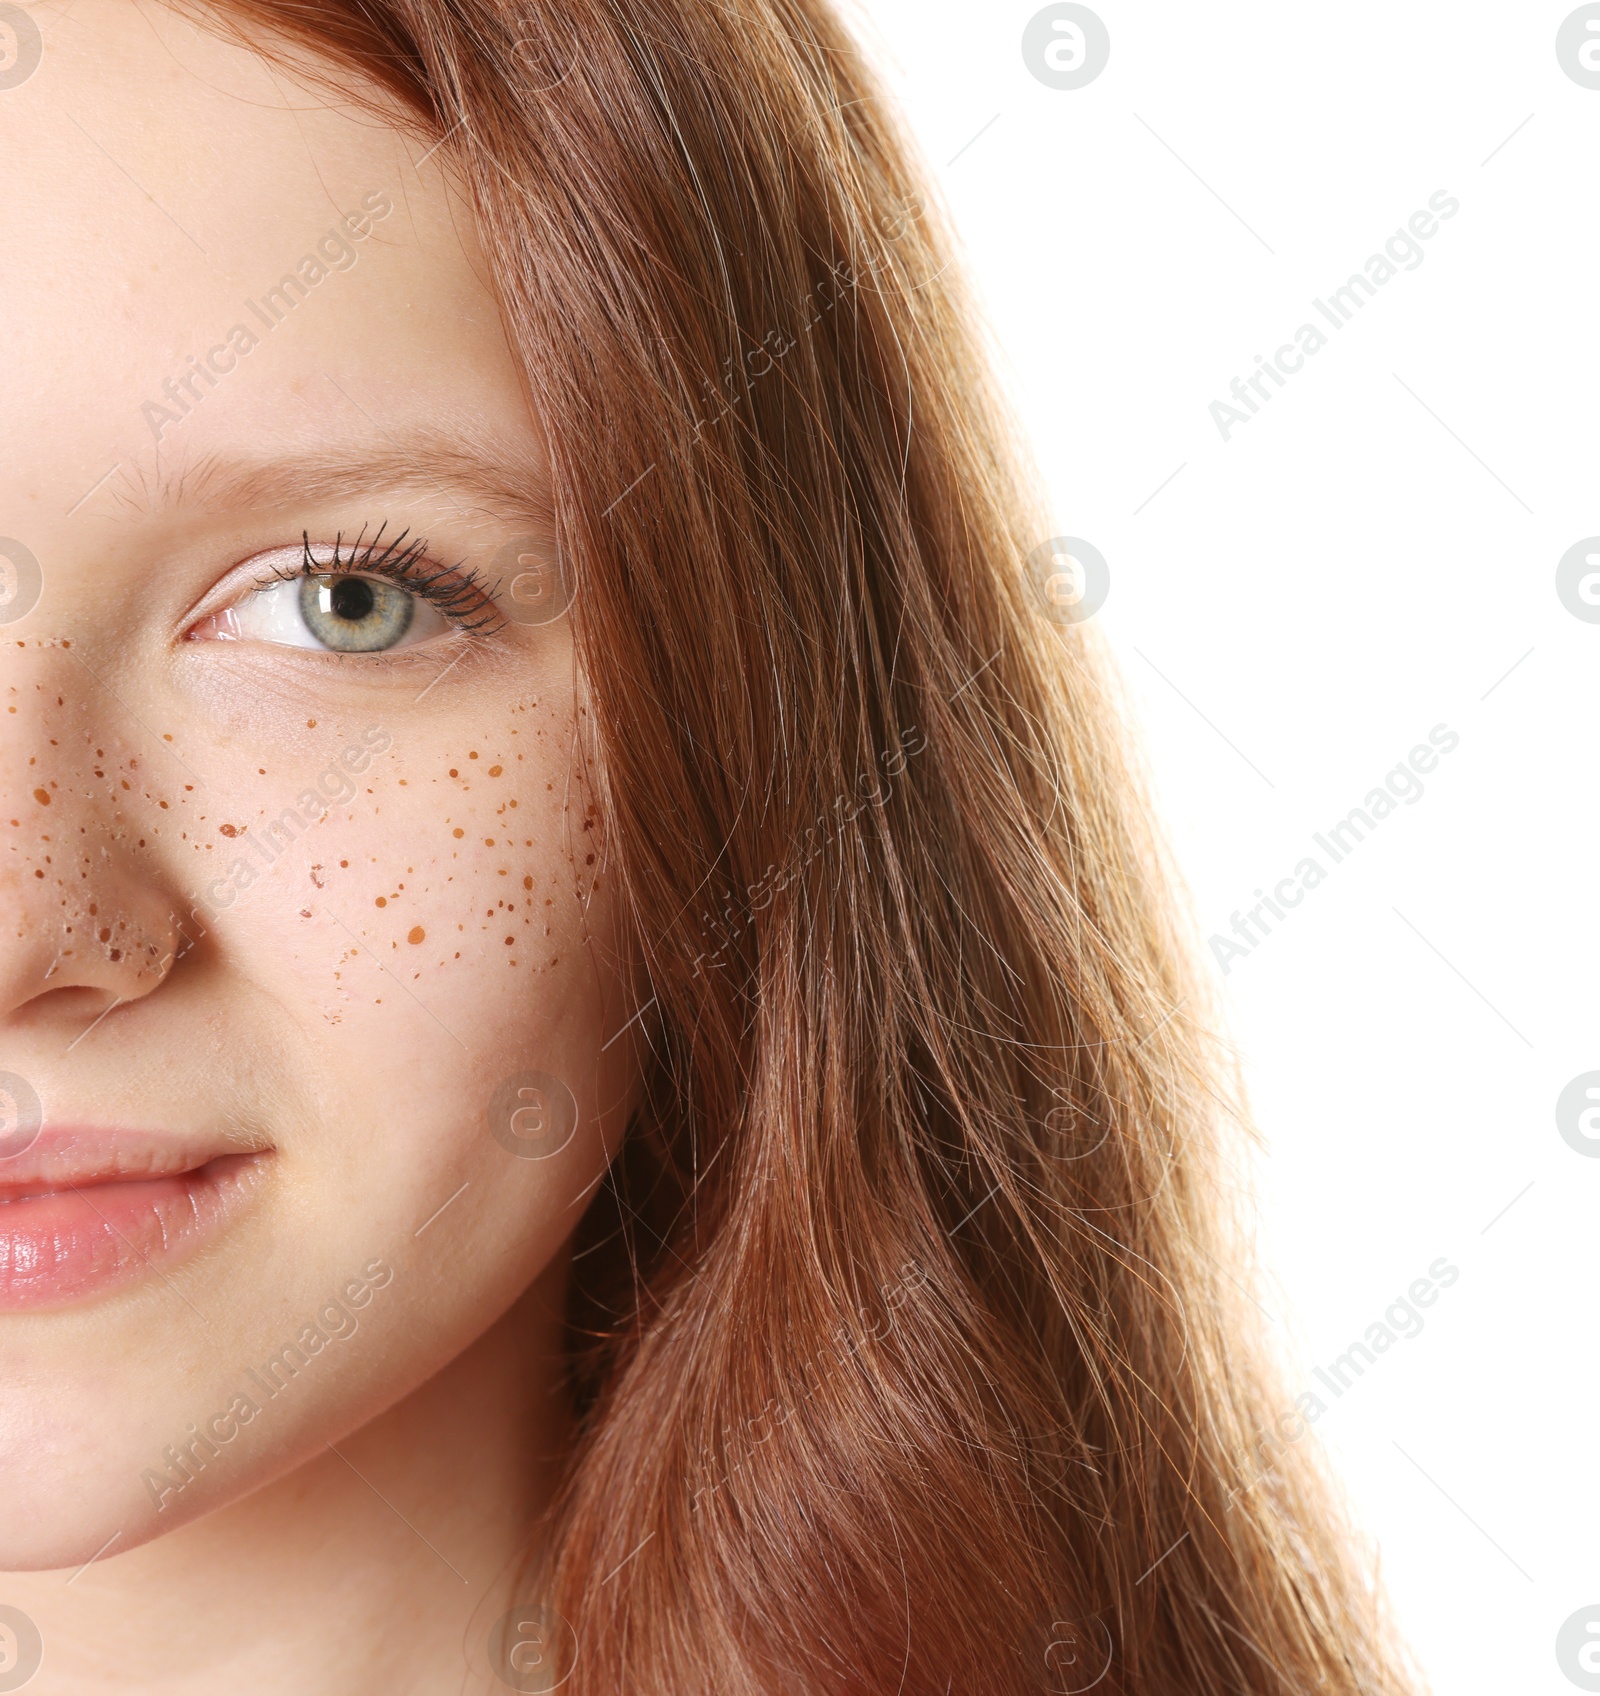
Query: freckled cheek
(421, 887)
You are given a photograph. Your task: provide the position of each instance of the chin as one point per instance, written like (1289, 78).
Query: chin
(71, 1492)
(59, 1526)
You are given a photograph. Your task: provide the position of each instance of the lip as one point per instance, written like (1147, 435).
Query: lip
(86, 1210)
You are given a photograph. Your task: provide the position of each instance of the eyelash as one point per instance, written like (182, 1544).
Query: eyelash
(459, 595)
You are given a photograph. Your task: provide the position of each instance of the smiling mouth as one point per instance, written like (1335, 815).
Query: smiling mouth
(82, 1222)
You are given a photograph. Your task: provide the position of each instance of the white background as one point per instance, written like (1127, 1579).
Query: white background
(1372, 555)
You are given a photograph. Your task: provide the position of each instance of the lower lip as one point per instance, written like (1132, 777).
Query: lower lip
(81, 1241)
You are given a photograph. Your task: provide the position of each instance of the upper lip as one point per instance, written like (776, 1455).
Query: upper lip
(69, 1157)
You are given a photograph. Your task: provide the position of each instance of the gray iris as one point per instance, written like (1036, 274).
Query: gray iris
(355, 615)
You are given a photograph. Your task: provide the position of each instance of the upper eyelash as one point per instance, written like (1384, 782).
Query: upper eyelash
(459, 595)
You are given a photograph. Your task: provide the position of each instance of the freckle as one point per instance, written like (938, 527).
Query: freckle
(527, 883)
(494, 771)
(458, 831)
(344, 862)
(510, 940)
(488, 842)
(416, 934)
(228, 829)
(42, 796)
(311, 724)
(382, 901)
(454, 772)
(473, 755)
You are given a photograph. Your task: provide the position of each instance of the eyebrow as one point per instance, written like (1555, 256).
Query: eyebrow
(511, 487)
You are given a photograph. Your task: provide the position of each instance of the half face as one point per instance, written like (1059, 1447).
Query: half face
(307, 981)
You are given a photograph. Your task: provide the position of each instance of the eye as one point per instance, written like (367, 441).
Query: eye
(324, 600)
(336, 612)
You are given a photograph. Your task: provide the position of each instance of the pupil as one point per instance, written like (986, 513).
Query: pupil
(352, 598)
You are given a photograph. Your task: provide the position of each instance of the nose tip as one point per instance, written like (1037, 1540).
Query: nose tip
(54, 938)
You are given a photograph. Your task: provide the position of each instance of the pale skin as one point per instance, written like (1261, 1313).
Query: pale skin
(347, 1012)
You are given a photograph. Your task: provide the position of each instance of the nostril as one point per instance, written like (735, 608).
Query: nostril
(74, 958)
(73, 1009)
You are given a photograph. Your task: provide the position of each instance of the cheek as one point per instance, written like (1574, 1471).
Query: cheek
(434, 947)
(471, 880)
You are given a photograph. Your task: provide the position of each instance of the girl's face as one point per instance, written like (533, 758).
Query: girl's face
(306, 947)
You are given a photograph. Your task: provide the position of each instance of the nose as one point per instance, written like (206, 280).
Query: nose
(84, 923)
(77, 923)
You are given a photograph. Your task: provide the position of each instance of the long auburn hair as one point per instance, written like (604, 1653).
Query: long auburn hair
(908, 1350)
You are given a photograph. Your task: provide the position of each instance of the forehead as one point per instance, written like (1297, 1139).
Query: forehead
(171, 200)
